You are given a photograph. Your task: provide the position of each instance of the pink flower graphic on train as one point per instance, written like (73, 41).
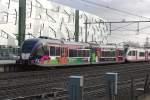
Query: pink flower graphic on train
(45, 58)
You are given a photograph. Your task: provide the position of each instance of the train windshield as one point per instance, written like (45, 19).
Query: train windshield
(28, 46)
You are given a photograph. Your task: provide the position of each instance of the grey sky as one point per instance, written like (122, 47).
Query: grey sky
(139, 7)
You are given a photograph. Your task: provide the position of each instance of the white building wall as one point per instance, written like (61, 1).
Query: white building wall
(48, 18)
(8, 22)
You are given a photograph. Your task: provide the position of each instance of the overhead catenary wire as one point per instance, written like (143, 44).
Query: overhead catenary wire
(66, 13)
(147, 27)
(115, 9)
(99, 5)
(122, 27)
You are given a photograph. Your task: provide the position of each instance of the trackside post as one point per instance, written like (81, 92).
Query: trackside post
(75, 88)
(111, 81)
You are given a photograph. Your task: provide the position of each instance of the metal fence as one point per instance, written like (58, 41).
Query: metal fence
(9, 53)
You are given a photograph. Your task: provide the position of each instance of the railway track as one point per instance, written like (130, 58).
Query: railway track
(54, 75)
(23, 84)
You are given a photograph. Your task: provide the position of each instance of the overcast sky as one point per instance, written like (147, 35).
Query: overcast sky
(137, 7)
(132, 9)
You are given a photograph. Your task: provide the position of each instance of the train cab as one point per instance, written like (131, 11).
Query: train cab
(26, 49)
(136, 54)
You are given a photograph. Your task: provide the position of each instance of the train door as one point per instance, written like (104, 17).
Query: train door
(117, 55)
(146, 55)
(64, 54)
(136, 54)
(141, 55)
(98, 54)
(93, 54)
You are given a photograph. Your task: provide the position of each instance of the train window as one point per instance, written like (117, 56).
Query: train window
(103, 53)
(129, 54)
(66, 52)
(80, 53)
(52, 51)
(39, 51)
(108, 53)
(141, 54)
(83, 53)
(133, 53)
(112, 53)
(57, 51)
(86, 53)
(28, 46)
(62, 50)
(72, 53)
(149, 54)
(46, 50)
(121, 52)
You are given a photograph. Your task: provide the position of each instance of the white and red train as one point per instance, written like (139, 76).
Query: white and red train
(137, 54)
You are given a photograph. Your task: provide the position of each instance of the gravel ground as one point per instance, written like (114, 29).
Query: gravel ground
(146, 97)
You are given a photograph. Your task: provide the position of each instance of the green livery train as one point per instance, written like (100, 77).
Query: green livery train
(50, 52)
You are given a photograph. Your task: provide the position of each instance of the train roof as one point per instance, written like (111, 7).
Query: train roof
(93, 44)
(56, 41)
(76, 43)
(120, 46)
(107, 46)
(136, 48)
(44, 40)
(33, 39)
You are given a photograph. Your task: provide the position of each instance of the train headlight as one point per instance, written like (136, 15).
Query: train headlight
(25, 56)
